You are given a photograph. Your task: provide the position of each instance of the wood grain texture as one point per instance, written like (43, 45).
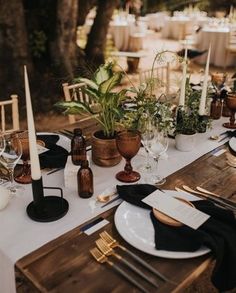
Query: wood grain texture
(65, 265)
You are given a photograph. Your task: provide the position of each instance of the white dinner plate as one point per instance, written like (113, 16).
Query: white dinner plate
(232, 143)
(63, 140)
(134, 225)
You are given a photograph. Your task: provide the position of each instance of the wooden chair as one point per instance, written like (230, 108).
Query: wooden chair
(74, 92)
(231, 45)
(161, 74)
(6, 125)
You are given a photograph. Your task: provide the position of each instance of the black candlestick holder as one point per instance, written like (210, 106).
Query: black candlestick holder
(46, 208)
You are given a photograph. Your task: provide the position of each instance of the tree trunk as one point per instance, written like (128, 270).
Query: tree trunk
(14, 52)
(97, 37)
(63, 47)
(84, 7)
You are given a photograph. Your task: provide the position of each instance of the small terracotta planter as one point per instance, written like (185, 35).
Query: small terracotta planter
(104, 151)
(185, 142)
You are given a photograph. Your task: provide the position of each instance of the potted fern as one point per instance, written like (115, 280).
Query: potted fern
(106, 108)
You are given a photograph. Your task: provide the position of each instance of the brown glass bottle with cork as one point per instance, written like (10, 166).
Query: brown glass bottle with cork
(216, 107)
(78, 147)
(85, 180)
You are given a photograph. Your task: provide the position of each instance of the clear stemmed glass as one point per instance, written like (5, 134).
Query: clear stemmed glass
(11, 156)
(2, 143)
(157, 145)
(2, 147)
(147, 133)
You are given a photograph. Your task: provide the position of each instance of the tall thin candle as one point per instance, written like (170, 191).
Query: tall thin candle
(202, 105)
(183, 82)
(34, 158)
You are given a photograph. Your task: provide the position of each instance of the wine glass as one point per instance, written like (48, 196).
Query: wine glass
(128, 144)
(231, 104)
(2, 147)
(11, 155)
(146, 130)
(157, 145)
(25, 175)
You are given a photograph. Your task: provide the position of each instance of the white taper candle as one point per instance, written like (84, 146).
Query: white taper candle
(202, 105)
(34, 158)
(183, 82)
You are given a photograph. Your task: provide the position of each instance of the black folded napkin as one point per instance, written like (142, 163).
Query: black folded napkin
(56, 156)
(218, 233)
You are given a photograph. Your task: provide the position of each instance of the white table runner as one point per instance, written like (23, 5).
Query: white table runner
(20, 235)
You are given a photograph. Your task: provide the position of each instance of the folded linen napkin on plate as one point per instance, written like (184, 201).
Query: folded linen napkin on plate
(218, 233)
(56, 156)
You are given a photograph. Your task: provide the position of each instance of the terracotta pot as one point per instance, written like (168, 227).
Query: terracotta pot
(104, 151)
(185, 142)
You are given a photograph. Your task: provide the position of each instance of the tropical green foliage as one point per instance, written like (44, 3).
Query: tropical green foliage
(106, 106)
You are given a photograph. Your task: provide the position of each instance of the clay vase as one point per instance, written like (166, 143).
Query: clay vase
(104, 150)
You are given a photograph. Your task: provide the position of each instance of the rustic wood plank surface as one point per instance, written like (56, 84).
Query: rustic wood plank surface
(65, 265)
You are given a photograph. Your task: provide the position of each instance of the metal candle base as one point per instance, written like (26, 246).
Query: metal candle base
(48, 208)
(52, 209)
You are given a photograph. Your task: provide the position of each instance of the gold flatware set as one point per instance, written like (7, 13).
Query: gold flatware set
(106, 248)
(214, 197)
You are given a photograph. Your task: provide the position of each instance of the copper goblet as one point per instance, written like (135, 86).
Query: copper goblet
(231, 104)
(25, 176)
(128, 144)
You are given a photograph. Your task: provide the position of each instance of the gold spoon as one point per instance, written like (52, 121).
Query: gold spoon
(187, 188)
(214, 137)
(105, 197)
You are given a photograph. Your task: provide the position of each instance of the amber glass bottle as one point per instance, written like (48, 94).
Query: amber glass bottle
(216, 108)
(78, 147)
(85, 180)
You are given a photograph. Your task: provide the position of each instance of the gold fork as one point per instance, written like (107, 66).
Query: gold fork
(111, 242)
(101, 258)
(101, 244)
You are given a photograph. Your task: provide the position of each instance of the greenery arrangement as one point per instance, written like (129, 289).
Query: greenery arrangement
(187, 118)
(118, 109)
(106, 106)
(141, 106)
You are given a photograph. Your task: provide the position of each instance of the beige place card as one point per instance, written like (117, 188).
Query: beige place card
(176, 209)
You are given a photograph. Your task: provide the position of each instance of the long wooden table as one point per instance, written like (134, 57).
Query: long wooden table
(65, 264)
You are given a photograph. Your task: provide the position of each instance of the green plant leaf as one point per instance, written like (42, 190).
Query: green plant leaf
(109, 84)
(89, 83)
(74, 107)
(102, 74)
(93, 94)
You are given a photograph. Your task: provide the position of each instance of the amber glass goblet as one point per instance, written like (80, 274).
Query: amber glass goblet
(128, 144)
(25, 176)
(231, 104)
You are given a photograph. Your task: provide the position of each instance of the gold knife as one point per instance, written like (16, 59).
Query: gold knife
(216, 195)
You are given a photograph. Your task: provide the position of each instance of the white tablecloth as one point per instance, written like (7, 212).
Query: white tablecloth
(20, 235)
(156, 20)
(218, 37)
(177, 27)
(121, 32)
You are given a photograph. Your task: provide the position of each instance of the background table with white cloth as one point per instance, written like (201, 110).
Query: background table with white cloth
(122, 32)
(218, 38)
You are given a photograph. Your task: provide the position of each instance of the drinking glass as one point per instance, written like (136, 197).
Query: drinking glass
(25, 176)
(147, 133)
(157, 145)
(2, 143)
(128, 144)
(2, 147)
(10, 156)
